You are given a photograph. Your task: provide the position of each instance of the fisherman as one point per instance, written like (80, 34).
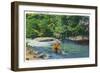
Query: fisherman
(57, 47)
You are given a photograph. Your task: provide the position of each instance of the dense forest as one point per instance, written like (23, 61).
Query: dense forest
(58, 26)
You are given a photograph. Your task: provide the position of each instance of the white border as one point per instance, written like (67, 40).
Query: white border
(60, 62)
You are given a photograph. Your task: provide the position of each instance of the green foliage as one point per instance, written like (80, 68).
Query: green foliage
(59, 26)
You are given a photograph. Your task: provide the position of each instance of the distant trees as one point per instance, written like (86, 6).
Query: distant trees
(59, 26)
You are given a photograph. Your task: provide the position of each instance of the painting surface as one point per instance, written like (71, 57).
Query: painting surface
(52, 36)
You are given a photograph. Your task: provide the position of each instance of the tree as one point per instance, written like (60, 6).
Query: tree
(58, 26)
